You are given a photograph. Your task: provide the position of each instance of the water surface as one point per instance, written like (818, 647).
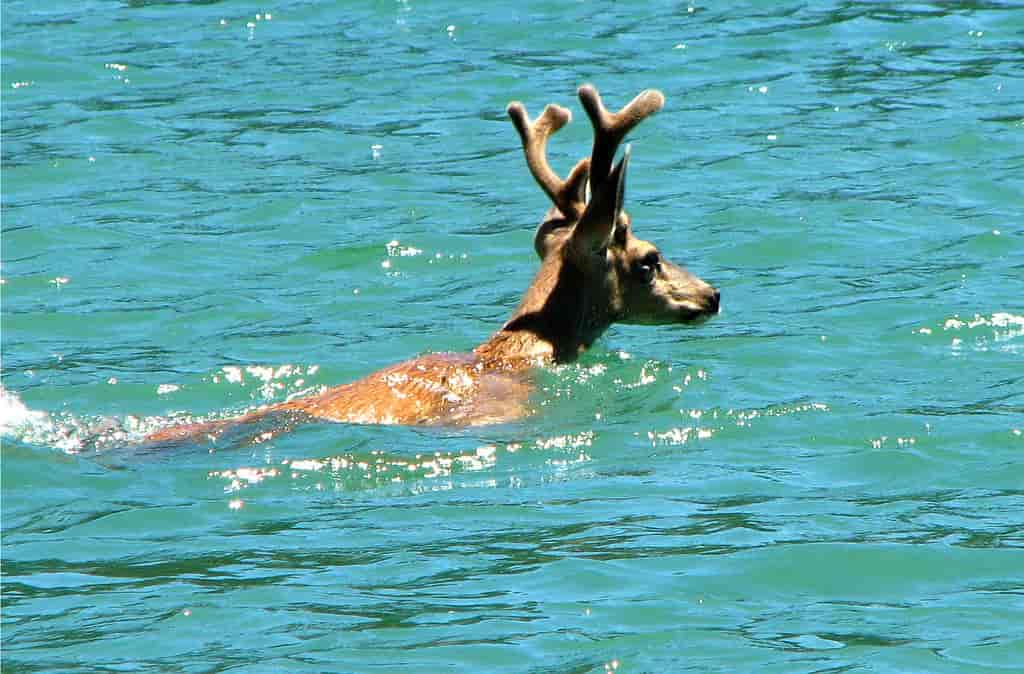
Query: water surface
(212, 206)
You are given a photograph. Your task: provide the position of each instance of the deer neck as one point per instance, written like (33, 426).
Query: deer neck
(558, 318)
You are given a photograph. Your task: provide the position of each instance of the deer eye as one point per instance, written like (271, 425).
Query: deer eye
(648, 266)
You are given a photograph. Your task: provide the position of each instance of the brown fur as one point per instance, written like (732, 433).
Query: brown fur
(593, 272)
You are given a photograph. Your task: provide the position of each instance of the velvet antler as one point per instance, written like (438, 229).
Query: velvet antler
(568, 194)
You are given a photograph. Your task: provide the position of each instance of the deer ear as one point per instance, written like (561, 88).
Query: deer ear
(550, 234)
(577, 183)
(597, 225)
(619, 176)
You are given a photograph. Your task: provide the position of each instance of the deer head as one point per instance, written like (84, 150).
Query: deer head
(594, 270)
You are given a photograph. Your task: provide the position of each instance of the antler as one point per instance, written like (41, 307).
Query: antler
(611, 127)
(566, 194)
(597, 223)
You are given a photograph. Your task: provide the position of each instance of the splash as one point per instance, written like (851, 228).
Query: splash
(15, 416)
(1006, 326)
(71, 433)
(980, 332)
(64, 431)
(74, 433)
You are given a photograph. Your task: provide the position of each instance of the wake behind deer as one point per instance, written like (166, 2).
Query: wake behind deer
(593, 272)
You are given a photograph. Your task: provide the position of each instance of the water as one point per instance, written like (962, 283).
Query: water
(208, 206)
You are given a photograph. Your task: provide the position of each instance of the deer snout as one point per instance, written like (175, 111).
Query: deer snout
(705, 296)
(710, 302)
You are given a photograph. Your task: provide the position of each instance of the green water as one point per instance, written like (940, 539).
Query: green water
(201, 216)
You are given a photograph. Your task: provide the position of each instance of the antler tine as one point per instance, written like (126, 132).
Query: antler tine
(611, 127)
(566, 194)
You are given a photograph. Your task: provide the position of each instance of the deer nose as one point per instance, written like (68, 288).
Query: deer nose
(715, 300)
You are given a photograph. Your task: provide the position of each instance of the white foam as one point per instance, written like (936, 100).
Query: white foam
(15, 416)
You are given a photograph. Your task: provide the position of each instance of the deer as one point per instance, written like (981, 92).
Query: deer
(594, 271)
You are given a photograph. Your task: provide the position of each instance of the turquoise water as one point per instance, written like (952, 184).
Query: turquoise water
(210, 206)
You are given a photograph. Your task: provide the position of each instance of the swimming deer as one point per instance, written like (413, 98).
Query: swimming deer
(593, 272)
